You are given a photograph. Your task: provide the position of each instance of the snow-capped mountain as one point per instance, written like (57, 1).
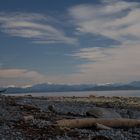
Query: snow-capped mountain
(49, 87)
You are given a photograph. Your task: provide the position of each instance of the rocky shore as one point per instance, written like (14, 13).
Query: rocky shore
(34, 118)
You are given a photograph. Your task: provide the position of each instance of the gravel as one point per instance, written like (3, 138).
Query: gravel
(12, 126)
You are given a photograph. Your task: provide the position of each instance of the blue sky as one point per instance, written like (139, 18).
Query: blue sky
(73, 41)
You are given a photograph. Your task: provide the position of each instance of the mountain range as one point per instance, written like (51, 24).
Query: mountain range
(47, 87)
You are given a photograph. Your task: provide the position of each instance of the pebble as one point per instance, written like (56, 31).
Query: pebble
(12, 114)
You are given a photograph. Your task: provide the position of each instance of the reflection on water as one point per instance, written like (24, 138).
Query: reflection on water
(123, 93)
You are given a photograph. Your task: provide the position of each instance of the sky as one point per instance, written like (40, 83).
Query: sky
(69, 41)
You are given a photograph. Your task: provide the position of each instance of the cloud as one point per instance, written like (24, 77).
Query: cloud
(36, 27)
(117, 20)
(105, 65)
(94, 54)
(20, 75)
(113, 19)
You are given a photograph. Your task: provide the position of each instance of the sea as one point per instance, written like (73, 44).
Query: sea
(120, 93)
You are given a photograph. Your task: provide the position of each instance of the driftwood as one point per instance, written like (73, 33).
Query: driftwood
(92, 122)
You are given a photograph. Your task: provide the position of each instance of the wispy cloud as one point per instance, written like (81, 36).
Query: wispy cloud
(119, 64)
(36, 27)
(118, 20)
(94, 54)
(114, 19)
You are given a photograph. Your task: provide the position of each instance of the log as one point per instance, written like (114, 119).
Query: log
(92, 122)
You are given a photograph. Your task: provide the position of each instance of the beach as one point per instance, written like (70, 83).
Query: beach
(27, 117)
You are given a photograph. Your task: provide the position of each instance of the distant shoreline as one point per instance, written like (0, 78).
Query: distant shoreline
(121, 93)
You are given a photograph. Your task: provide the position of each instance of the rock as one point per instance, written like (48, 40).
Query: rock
(98, 112)
(51, 108)
(29, 108)
(102, 127)
(92, 96)
(28, 118)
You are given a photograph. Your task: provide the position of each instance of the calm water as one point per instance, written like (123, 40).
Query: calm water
(124, 93)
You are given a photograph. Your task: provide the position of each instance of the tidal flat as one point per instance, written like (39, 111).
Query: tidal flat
(39, 118)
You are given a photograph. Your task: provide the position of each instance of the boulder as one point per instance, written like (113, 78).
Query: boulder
(98, 112)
